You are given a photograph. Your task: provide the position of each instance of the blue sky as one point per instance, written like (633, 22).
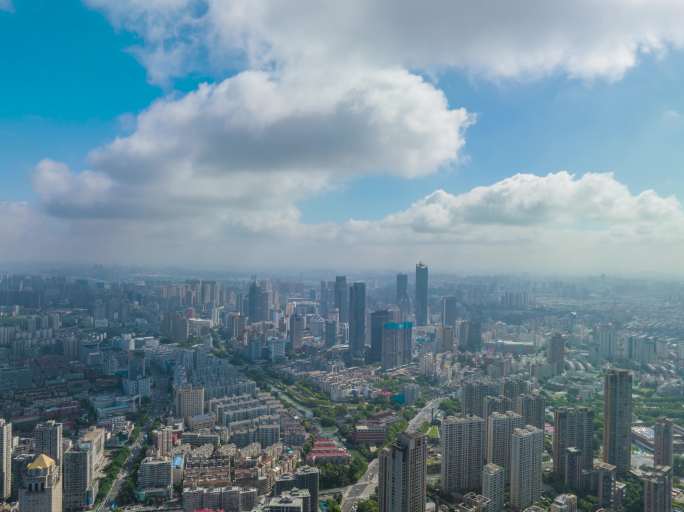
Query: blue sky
(68, 78)
(71, 83)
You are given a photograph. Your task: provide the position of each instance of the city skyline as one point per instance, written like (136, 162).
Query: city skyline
(553, 151)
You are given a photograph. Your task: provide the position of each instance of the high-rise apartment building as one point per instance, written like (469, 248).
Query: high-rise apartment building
(474, 393)
(80, 488)
(658, 489)
(617, 414)
(663, 443)
(189, 402)
(604, 475)
(493, 486)
(532, 407)
(403, 300)
(500, 427)
(573, 428)
(41, 486)
(342, 298)
(357, 319)
(462, 453)
(47, 439)
(308, 477)
(421, 301)
(5, 459)
(527, 446)
(402, 482)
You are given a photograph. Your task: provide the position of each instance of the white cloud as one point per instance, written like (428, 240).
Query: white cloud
(256, 143)
(494, 38)
(6, 5)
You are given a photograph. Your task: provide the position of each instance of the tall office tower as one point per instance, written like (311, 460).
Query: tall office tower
(189, 402)
(307, 477)
(555, 354)
(327, 299)
(493, 486)
(403, 300)
(357, 319)
(449, 311)
(617, 414)
(378, 319)
(137, 368)
(447, 338)
(296, 331)
(605, 475)
(658, 489)
(605, 339)
(532, 407)
(342, 298)
(474, 393)
(462, 453)
(259, 301)
(79, 491)
(573, 428)
(527, 446)
(41, 487)
(47, 439)
(663, 442)
(397, 344)
(564, 503)
(5, 459)
(500, 427)
(470, 336)
(421, 294)
(402, 482)
(330, 333)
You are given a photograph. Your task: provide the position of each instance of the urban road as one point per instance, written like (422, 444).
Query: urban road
(364, 488)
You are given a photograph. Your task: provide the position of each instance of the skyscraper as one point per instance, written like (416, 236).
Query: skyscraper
(617, 413)
(421, 294)
(307, 477)
(79, 488)
(342, 298)
(357, 319)
(330, 333)
(663, 442)
(449, 311)
(47, 439)
(462, 453)
(573, 428)
(658, 489)
(493, 486)
(500, 427)
(5, 459)
(41, 489)
(259, 301)
(403, 300)
(397, 344)
(402, 483)
(555, 354)
(469, 336)
(378, 319)
(527, 446)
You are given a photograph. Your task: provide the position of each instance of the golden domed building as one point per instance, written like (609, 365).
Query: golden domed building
(41, 489)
